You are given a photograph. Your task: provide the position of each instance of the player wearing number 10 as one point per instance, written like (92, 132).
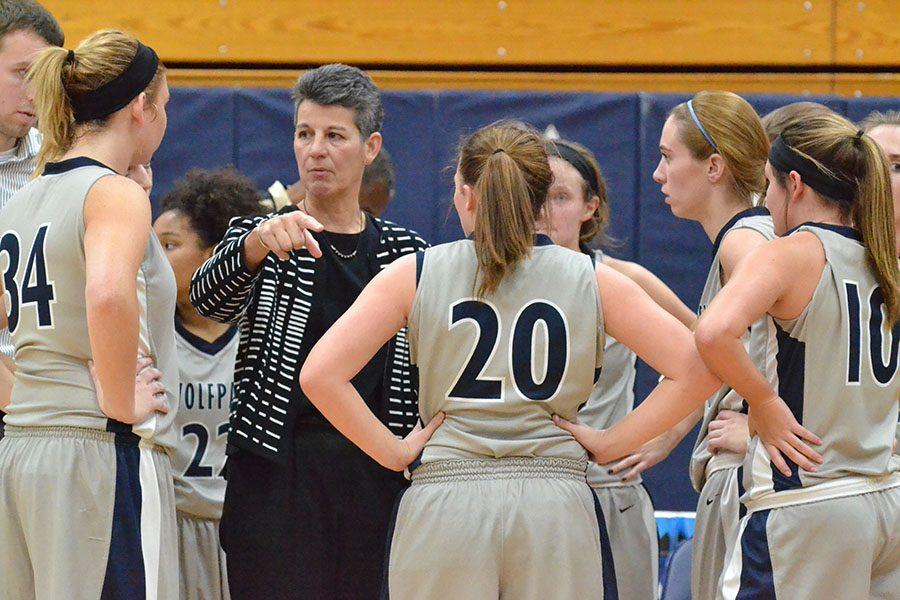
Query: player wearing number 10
(821, 523)
(85, 475)
(503, 335)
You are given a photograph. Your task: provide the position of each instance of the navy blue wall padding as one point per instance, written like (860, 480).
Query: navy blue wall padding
(253, 130)
(200, 133)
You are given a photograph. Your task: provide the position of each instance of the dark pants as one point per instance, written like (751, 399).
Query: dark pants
(315, 528)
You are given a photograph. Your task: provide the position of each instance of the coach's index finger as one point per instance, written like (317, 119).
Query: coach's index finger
(304, 220)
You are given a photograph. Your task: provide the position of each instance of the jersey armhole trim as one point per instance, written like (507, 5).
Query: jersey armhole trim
(420, 263)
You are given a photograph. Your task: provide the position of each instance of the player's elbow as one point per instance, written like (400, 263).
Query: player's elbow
(105, 297)
(314, 379)
(709, 334)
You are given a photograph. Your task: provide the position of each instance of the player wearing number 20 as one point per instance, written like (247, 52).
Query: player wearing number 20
(195, 215)
(823, 522)
(85, 474)
(503, 335)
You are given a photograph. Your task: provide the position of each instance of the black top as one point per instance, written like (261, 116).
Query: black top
(348, 263)
(272, 307)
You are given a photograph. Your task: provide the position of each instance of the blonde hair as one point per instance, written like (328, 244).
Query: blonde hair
(507, 167)
(836, 147)
(738, 134)
(784, 116)
(98, 59)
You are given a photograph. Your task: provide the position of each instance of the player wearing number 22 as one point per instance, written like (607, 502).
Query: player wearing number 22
(85, 475)
(823, 487)
(499, 330)
(195, 215)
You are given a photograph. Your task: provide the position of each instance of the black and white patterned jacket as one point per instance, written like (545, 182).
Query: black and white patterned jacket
(271, 307)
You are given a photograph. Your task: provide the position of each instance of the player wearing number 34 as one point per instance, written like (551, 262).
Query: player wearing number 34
(505, 330)
(85, 475)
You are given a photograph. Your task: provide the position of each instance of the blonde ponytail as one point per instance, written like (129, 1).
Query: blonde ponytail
(59, 75)
(507, 167)
(56, 118)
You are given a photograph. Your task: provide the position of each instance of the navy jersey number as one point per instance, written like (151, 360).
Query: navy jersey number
(197, 468)
(535, 382)
(36, 288)
(882, 371)
(469, 385)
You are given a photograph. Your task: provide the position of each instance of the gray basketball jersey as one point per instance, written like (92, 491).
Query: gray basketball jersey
(205, 391)
(43, 266)
(611, 399)
(703, 462)
(502, 365)
(837, 371)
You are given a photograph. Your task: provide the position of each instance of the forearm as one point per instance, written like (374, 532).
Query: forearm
(112, 318)
(344, 408)
(684, 427)
(222, 287)
(671, 409)
(254, 251)
(725, 355)
(7, 379)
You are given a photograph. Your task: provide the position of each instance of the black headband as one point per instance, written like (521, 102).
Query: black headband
(785, 159)
(574, 158)
(116, 94)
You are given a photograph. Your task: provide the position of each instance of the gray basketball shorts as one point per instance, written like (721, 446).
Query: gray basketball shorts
(715, 531)
(839, 548)
(518, 528)
(633, 540)
(203, 574)
(86, 514)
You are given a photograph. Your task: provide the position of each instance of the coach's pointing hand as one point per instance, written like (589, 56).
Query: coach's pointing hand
(282, 234)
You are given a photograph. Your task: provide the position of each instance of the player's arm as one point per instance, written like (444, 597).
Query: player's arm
(778, 278)
(655, 288)
(661, 446)
(117, 227)
(7, 379)
(664, 343)
(8, 362)
(379, 312)
(736, 245)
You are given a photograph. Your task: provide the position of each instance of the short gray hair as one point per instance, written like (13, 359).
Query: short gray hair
(342, 85)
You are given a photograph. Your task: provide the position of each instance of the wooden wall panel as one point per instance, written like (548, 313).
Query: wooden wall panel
(867, 84)
(867, 32)
(469, 32)
(774, 83)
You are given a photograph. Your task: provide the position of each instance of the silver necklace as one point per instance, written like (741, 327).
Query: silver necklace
(337, 252)
(341, 254)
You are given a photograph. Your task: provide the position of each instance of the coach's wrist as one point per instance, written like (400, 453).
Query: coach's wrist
(255, 251)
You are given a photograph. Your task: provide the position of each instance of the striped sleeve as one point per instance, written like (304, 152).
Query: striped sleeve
(222, 287)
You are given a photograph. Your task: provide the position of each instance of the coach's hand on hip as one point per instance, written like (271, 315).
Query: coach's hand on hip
(281, 234)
